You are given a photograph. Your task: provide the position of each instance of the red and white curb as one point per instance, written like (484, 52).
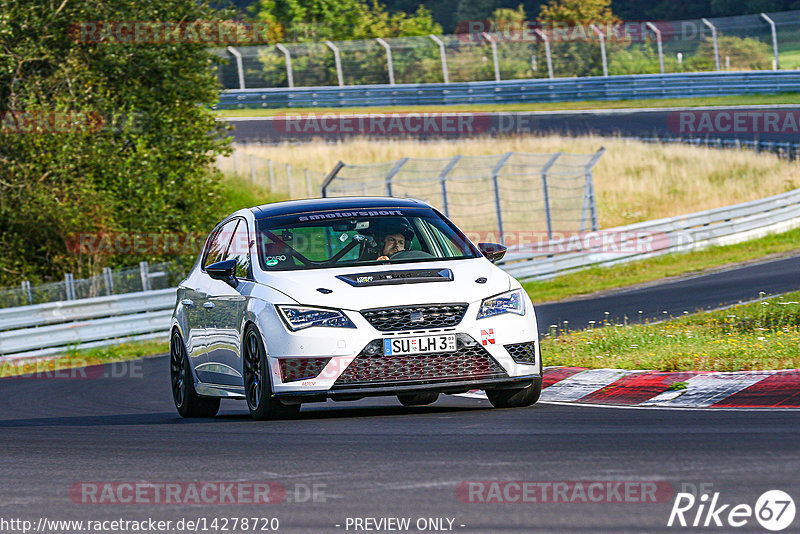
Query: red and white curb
(694, 389)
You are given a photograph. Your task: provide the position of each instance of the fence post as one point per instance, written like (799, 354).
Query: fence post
(144, 272)
(445, 74)
(308, 184)
(496, 183)
(389, 65)
(397, 166)
(239, 67)
(602, 48)
(288, 56)
(714, 39)
(252, 169)
(777, 65)
(323, 189)
(338, 60)
(26, 288)
(235, 163)
(544, 38)
(69, 286)
(494, 55)
(658, 41)
(546, 192)
(289, 179)
(271, 175)
(443, 181)
(589, 201)
(109, 280)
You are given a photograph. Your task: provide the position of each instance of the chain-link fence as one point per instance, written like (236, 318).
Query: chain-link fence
(522, 51)
(282, 178)
(488, 195)
(145, 277)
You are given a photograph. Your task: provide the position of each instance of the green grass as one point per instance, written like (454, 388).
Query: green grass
(238, 193)
(790, 59)
(84, 358)
(743, 100)
(628, 274)
(758, 336)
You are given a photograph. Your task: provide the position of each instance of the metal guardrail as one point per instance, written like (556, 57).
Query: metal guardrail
(725, 225)
(629, 87)
(46, 329)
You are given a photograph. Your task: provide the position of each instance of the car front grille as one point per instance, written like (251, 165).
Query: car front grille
(467, 363)
(422, 317)
(523, 352)
(294, 369)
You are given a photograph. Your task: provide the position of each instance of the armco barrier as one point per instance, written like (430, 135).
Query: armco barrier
(45, 329)
(628, 87)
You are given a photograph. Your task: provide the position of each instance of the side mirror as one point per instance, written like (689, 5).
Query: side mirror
(493, 251)
(223, 270)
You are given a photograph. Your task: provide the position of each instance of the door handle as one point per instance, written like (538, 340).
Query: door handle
(208, 305)
(188, 303)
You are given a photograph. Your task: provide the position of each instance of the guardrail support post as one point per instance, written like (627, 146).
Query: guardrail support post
(544, 38)
(389, 65)
(494, 55)
(109, 280)
(26, 289)
(239, 67)
(144, 272)
(602, 48)
(497, 204)
(288, 56)
(546, 192)
(658, 41)
(323, 189)
(445, 74)
(69, 286)
(271, 175)
(338, 60)
(443, 182)
(774, 40)
(397, 166)
(714, 39)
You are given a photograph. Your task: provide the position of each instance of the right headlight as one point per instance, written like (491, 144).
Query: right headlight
(509, 302)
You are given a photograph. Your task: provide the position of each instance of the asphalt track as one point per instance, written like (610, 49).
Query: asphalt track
(699, 122)
(375, 458)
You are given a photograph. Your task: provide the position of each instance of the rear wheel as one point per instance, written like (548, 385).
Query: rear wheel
(187, 401)
(516, 398)
(257, 385)
(418, 399)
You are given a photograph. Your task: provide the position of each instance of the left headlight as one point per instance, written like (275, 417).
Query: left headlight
(300, 317)
(510, 302)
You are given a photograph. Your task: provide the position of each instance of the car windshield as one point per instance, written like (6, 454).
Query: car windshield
(345, 238)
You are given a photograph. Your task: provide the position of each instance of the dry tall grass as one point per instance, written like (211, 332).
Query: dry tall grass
(634, 181)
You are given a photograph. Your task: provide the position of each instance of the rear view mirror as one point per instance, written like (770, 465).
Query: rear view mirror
(223, 270)
(493, 251)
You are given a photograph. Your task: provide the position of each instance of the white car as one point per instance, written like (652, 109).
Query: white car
(345, 298)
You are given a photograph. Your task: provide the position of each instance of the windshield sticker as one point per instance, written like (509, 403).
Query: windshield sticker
(349, 215)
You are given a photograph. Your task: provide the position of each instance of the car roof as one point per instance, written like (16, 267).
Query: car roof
(290, 207)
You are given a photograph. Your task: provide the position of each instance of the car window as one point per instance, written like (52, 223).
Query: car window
(357, 237)
(218, 243)
(239, 250)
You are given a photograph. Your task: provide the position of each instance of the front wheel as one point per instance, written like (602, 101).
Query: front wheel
(187, 401)
(257, 385)
(516, 398)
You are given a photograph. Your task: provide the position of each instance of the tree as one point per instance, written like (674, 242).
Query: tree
(148, 170)
(575, 12)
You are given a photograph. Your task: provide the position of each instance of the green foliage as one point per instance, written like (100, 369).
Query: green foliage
(147, 172)
(577, 12)
(744, 53)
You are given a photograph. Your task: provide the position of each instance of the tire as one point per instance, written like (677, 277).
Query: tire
(257, 384)
(516, 398)
(187, 401)
(418, 399)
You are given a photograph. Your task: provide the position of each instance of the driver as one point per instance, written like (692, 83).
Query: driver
(394, 238)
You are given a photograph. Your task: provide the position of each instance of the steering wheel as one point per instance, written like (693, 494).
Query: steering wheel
(410, 255)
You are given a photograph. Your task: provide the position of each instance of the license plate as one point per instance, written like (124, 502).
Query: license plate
(419, 345)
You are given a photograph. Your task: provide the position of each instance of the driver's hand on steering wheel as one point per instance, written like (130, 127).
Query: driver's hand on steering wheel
(383, 258)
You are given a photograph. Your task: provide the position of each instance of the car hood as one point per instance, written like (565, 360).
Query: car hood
(378, 286)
